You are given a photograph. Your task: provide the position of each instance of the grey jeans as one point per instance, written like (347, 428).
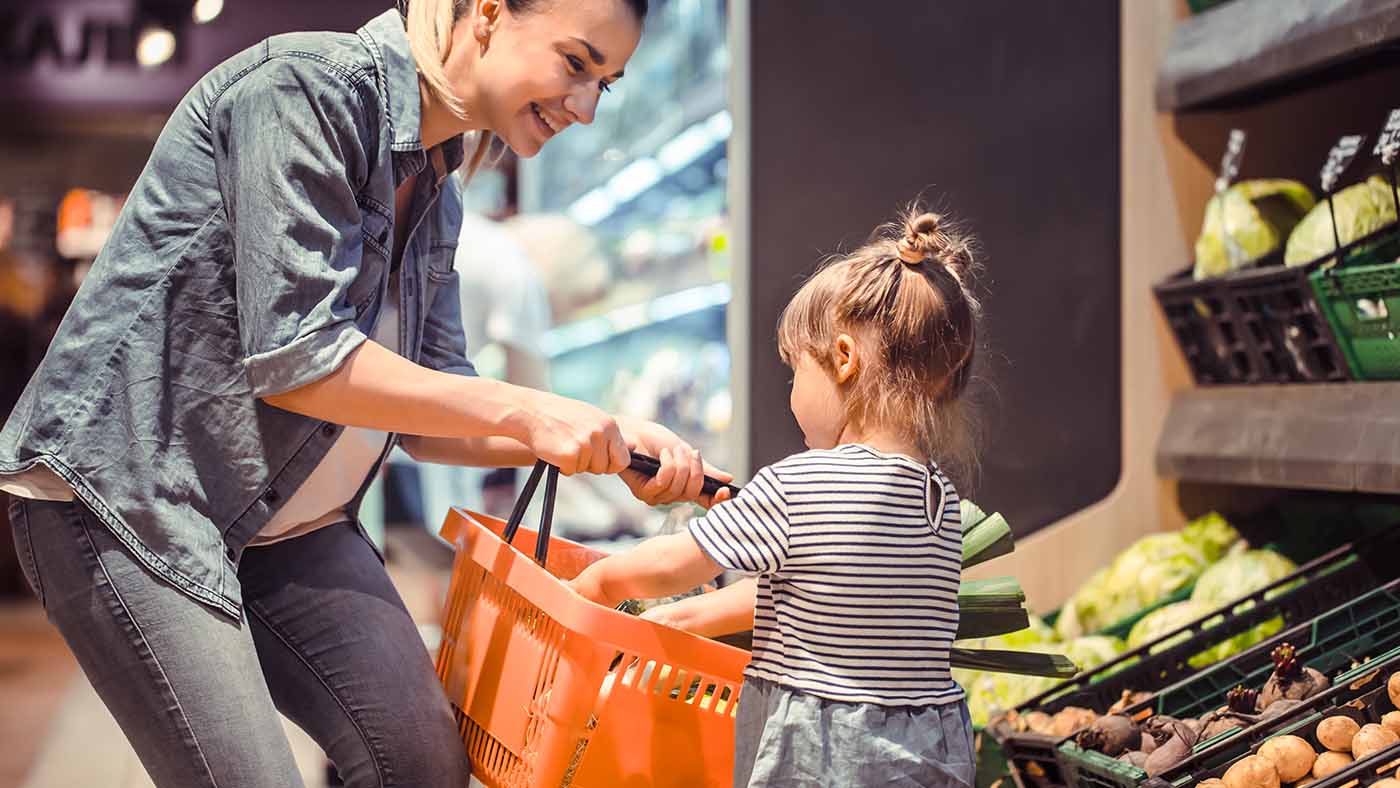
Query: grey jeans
(325, 639)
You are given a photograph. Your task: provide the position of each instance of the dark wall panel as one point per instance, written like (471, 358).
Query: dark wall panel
(1003, 112)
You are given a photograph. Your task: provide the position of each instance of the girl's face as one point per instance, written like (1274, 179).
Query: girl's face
(817, 403)
(529, 76)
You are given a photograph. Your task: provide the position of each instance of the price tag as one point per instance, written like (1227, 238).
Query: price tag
(1388, 144)
(1339, 159)
(1230, 162)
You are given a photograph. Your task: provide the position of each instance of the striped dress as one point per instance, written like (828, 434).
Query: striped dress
(859, 555)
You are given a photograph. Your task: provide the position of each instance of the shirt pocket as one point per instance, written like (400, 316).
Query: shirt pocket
(442, 256)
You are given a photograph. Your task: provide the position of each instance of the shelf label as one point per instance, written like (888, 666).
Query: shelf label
(1339, 159)
(1388, 144)
(1230, 162)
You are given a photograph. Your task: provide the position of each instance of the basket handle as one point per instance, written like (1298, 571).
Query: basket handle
(522, 503)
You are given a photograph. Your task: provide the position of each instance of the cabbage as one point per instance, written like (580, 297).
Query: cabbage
(1091, 651)
(1241, 574)
(1361, 209)
(1212, 534)
(1152, 569)
(1163, 621)
(1259, 216)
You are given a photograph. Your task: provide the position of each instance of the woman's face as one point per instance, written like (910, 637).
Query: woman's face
(531, 75)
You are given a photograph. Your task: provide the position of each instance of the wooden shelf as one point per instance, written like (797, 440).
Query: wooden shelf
(1246, 47)
(1343, 436)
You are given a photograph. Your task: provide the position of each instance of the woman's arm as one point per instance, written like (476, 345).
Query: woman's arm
(722, 612)
(381, 390)
(661, 566)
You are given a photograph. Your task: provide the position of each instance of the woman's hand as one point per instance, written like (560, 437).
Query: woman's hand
(573, 436)
(682, 471)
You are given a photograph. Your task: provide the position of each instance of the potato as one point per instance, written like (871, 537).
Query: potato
(1252, 772)
(1370, 739)
(1292, 757)
(1393, 688)
(1330, 763)
(1212, 782)
(1389, 782)
(1336, 733)
(1391, 722)
(1305, 781)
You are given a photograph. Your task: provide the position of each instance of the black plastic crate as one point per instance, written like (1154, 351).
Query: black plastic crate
(1260, 324)
(1369, 624)
(1331, 580)
(1204, 325)
(1287, 331)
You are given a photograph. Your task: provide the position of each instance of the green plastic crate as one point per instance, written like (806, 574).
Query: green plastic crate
(1361, 299)
(1368, 625)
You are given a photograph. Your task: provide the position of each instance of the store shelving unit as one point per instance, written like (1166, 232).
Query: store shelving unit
(1247, 49)
(1240, 63)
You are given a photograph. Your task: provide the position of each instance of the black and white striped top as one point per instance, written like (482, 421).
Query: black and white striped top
(859, 555)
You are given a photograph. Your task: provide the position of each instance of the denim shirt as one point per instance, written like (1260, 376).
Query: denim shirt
(251, 258)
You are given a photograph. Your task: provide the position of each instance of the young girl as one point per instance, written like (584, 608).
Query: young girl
(857, 542)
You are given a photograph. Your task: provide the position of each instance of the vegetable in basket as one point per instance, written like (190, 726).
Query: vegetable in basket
(1255, 217)
(1361, 209)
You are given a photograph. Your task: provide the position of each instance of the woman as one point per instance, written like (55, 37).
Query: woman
(276, 302)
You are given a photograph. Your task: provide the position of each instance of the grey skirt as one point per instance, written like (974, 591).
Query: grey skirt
(789, 739)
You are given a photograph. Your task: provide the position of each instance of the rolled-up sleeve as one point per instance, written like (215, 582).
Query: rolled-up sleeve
(290, 150)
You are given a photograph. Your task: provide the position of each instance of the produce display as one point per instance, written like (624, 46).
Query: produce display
(1255, 217)
(1309, 753)
(1234, 576)
(1147, 573)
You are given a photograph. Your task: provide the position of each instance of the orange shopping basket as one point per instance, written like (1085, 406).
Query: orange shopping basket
(552, 690)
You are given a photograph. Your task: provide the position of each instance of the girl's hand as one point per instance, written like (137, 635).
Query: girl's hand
(587, 585)
(573, 436)
(682, 471)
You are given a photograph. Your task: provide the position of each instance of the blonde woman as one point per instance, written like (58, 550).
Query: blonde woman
(275, 308)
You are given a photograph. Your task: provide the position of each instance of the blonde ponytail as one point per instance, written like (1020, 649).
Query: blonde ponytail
(430, 24)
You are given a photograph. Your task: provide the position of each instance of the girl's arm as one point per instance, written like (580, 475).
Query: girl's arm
(722, 612)
(661, 566)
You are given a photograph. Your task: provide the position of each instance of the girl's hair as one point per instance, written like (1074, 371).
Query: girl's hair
(430, 25)
(906, 298)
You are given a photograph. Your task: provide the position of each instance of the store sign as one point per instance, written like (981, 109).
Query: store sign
(1389, 143)
(1339, 159)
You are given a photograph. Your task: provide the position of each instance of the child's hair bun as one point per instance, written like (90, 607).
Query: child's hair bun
(926, 240)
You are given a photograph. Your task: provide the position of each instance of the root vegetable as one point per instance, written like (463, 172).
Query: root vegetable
(1279, 708)
(1389, 782)
(1037, 721)
(1211, 782)
(1128, 699)
(1393, 689)
(1291, 680)
(1391, 721)
(1069, 720)
(1148, 743)
(1252, 772)
(1137, 758)
(1330, 763)
(1172, 752)
(1370, 739)
(1336, 733)
(1112, 735)
(1292, 757)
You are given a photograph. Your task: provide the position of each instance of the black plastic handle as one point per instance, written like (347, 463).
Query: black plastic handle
(650, 466)
(522, 503)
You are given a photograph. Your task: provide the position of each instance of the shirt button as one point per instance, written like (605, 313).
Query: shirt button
(384, 238)
(328, 429)
(271, 496)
